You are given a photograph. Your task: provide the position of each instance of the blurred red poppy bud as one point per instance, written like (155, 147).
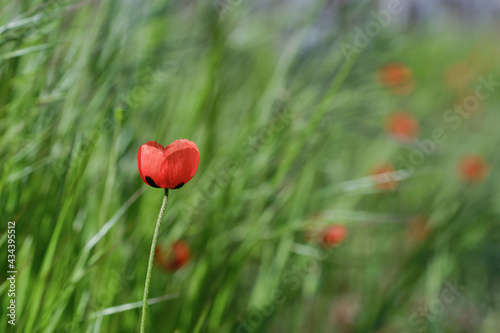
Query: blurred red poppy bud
(396, 76)
(333, 235)
(170, 167)
(176, 257)
(473, 169)
(403, 126)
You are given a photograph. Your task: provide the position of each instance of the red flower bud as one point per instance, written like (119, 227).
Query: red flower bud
(334, 235)
(473, 169)
(398, 77)
(403, 126)
(174, 258)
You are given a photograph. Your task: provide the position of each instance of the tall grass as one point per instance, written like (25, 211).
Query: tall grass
(286, 128)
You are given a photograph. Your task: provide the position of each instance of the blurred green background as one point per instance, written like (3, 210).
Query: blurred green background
(292, 106)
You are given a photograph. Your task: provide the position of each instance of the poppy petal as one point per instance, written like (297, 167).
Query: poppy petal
(180, 164)
(149, 159)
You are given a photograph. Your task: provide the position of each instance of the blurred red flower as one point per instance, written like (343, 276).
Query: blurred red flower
(396, 76)
(333, 235)
(473, 169)
(403, 126)
(170, 167)
(176, 257)
(383, 177)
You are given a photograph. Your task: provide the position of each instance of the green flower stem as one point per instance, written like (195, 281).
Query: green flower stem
(150, 262)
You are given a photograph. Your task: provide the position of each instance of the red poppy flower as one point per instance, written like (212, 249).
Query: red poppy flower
(170, 167)
(396, 76)
(473, 169)
(176, 257)
(383, 178)
(333, 235)
(403, 126)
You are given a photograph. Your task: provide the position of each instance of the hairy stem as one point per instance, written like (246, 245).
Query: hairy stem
(150, 262)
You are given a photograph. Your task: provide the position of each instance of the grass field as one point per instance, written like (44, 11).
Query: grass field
(293, 137)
